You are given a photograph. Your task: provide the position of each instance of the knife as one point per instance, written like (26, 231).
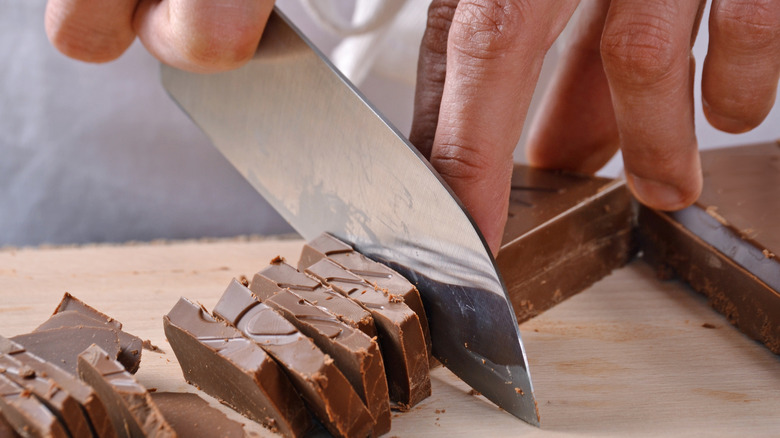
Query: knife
(327, 161)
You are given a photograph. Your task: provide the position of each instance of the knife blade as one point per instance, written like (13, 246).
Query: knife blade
(327, 161)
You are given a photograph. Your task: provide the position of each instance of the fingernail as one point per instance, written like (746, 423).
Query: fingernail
(723, 122)
(656, 194)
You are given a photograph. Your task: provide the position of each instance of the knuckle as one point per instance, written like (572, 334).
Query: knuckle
(487, 29)
(456, 161)
(752, 24)
(437, 28)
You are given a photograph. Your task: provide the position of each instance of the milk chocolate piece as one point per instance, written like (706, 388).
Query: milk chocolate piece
(59, 402)
(92, 405)
(326, 391)
(26, 414)
(281, 275)
(191, 416)
(400, 334)
(383, 277)
(130, 407)
(564, 232)
(355, 354)
(727, 245)
(62, 346)
(217, 359)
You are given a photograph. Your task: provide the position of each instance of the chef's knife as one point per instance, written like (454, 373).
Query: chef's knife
(312, 145)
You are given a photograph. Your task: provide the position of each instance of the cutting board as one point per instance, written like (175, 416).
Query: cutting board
(629, 356)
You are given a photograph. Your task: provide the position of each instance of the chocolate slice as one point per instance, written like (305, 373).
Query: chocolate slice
(400, 334)
(281, 275)
(57, 400)
(727, 245)
(62, 346)
(217, 359)
(92, 405)
(564, 232)
(356, 355)
(130, 407)
(26, 414)
(381, 276)
(191, 416)
(326, 391)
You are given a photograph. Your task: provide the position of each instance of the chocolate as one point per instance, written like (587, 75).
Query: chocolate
(26, 414)
(355, 354)
(6, 430)
(726, 245)
(62, 346)
(130, 407)
(326, 391)
(564, 232)
(381, 276)
(191, 416)
(400, 335)
(59, 402)
(281, 275)
(217, 359)
(92, 405)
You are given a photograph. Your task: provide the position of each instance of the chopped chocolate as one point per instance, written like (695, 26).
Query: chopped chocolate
(327, 392)
(382, 277)
(62, 346)
(130, 407)
(400, 334)
(355, 354)
(281, 275)
(564, 232)
(71, 303)
(26, 414)
(66, 408)
(92, 405)
(725, 245)
(191, 416)
(217, 359)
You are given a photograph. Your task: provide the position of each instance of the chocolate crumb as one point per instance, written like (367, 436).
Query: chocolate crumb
(519, 391)
(708, 325)
(244, 280)
(277, 260)
(26, 372)
(147, 345)
(474, 392)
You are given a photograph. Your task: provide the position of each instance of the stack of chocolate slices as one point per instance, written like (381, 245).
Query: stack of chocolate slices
(337, 342)
(72, 377)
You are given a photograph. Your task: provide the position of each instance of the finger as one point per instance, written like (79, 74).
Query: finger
(494, 56)
(431, 71)
(742, 67)
(202, 35)
(575, 127)
(90, 30)
(646, 54)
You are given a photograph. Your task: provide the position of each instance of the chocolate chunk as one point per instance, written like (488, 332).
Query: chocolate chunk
(71, 303)
(57, 400)
(381, 276)
(130, 407)
(26, 414)
(191, 416)
(564, 232)
(400, 334)
(726, 245)
(62, 346)
(355, 354)
(326, 391)
(92, 405)
(217, 359)
(281, 275)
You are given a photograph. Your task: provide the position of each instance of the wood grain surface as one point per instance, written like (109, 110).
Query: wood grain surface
(629, 356)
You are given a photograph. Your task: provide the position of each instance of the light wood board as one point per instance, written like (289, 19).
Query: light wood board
(629, 356)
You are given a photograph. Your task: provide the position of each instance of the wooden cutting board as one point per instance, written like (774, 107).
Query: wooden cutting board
(629, 356)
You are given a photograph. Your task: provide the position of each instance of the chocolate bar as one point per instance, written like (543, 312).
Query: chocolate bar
(217, 359)
(26, 414)
(327, 392)
(385, 278)
(62, 346)
(130, 407)
(726, 245)
(400, 335)
(92, 405)
(47, 391)
(355, 354)
(564, 232)
(191, 416)
(281, 275)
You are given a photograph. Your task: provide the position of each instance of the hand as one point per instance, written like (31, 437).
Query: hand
(625, 82)
(196, 35)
